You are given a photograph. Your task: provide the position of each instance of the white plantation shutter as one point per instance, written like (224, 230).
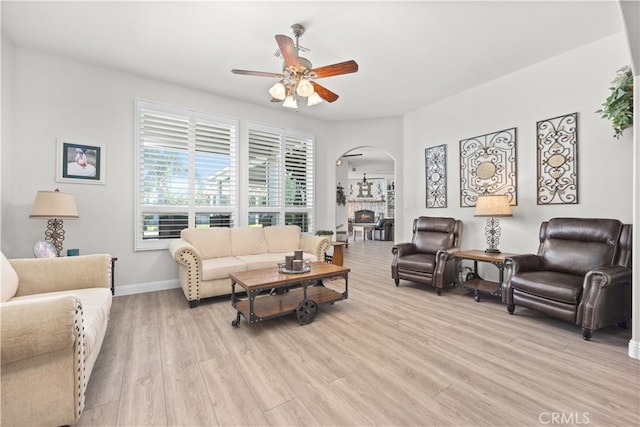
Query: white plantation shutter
(185, 172)
(215, 149)
(280, 178)
(265, 181)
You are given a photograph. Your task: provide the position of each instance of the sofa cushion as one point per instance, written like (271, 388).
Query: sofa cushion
(282, 238)
(10, 281)
(248, 241)
(221, 268)
(269, 260)
(211, 242)
(550, 285)
(255, 262)
(421, 262)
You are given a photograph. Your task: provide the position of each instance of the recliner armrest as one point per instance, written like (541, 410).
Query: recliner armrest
(603, 277)
(403, 249)
(522, 263)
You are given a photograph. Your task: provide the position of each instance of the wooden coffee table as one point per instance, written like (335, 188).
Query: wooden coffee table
(282, 299)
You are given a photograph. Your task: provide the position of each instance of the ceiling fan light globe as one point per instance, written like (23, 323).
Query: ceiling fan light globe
(290, 102)
(314, 99)
(278, 91)
(305, 88)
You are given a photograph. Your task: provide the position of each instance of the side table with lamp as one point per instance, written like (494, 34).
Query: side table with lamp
(490, 206)
(56, 206)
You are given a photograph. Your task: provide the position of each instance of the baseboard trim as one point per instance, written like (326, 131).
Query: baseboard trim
(141, 288)
(634, 349)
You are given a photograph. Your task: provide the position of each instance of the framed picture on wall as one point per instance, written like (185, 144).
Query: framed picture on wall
(80, 163)
(557, 147)
(488, 166)
(436, 176)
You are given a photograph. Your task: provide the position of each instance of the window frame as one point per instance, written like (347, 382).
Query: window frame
(281, 209)
(191, 209)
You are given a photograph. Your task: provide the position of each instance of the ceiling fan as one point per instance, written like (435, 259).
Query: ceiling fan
(297, 77)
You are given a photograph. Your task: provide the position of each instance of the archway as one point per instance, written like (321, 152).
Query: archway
(368, 176)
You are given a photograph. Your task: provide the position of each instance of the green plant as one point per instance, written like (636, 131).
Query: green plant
(618, 107)
(324, 233)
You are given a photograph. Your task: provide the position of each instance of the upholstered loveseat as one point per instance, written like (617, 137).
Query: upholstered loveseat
(207, 256)
(54, 315)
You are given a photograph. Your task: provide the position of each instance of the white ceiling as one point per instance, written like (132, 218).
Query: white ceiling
(410, 53)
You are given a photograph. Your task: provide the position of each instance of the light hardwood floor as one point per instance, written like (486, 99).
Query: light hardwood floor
(386, 356)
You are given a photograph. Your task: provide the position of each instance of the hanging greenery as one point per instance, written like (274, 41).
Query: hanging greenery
(618, 107)
(341, 199)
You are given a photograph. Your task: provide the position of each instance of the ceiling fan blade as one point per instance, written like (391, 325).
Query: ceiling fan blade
(335, 69)
(288, 50)
(324, 93)
(257, 73)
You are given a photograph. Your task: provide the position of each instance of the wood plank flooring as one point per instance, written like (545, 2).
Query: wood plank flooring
(386, 356)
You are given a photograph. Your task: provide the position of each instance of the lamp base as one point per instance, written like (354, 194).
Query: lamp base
(492, 251)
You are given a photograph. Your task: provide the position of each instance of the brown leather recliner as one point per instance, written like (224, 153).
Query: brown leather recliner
(427, 259)
(581, 273)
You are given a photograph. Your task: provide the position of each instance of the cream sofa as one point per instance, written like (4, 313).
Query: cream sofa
(54, 315)
(207, 256)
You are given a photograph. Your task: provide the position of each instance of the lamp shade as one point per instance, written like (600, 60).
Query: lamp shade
(304, 88)
(278, 91)
(54, 204)
(314, 99)
(493, 206)
(290, 102)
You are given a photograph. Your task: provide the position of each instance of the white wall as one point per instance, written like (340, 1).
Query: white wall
(54, 97)
(577, 81)
(6, 95)
(383, 133)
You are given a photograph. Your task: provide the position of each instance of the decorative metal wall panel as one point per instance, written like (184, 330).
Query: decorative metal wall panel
(557, 141)
(488, 166)
(436, 174)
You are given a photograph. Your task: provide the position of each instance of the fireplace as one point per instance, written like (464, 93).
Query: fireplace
(364, 216)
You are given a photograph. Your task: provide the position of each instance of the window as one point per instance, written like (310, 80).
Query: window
(280, 178)
(186, 172)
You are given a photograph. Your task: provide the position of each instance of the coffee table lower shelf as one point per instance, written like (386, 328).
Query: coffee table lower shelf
(270, 306)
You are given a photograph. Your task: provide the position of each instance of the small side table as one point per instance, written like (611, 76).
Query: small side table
(478, 284)
(113, 275)
(364, 229)
(338, 253)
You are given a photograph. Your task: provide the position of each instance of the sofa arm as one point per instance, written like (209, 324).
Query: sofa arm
(41, 275)
(188, 257)
(43, 361)
(37, 326)
(606, 298)
(314, 245)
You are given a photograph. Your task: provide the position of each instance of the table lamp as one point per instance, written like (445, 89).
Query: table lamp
(55, 206)
(492, 207)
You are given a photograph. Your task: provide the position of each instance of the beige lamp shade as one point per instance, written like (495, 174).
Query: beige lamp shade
(493, 206)
(54, 204)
